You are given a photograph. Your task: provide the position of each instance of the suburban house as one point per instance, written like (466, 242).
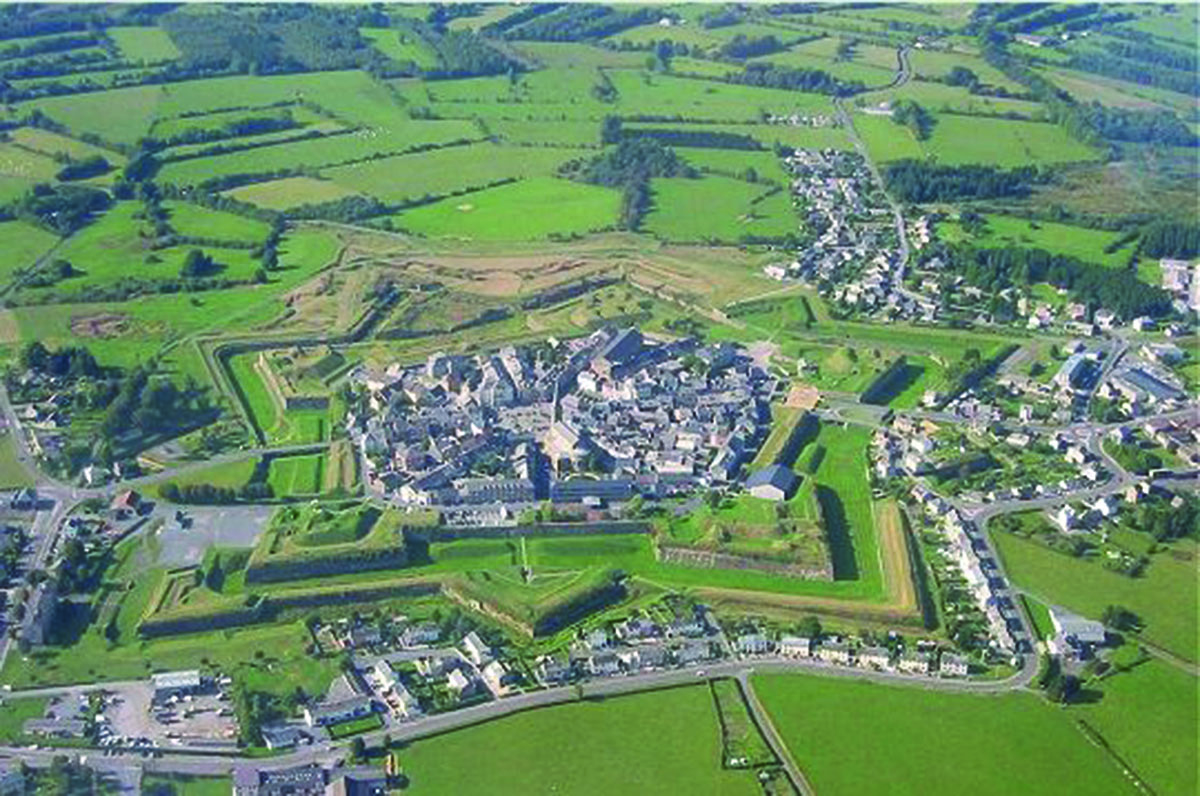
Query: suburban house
(953, 665)
(875, 657)
(795, 647)
(834, 652)
(326, 713)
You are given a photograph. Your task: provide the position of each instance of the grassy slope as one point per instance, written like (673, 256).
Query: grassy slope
(1165, 597)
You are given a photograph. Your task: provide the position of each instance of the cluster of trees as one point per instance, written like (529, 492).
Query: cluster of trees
(1091, 123)
(70, 362)
(580, 21)
(208, 494)
(719, 18)
(742, 46)
(908, 113)
(1095, 285)
(463, 53)
(62, 208)
(51, 274)
(272, 39)
(630, 166)
(1171, 239)
(918, 181)
(92, 166)
(1166, 522)
(1136, 126)
(197, 265)
(816, 81)
(151, 405)
(1148, 51)
(1146, 74)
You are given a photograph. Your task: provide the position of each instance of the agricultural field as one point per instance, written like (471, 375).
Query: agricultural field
(401, 46)
(1148, 714)
(842, 733)
(291, 192)
(1088, 588)
(1083, 243)
(530, 209)
(145, 45)
(959, 139)
(447, 171)
(667, 741)
(717, 209)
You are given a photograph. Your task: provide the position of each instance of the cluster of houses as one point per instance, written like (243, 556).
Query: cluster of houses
(635, 645)
(1179, 435)
(968, 551)
(584, 421)
(839, 652)
(854, 242)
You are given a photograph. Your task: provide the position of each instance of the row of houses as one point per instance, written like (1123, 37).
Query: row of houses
(841, 653)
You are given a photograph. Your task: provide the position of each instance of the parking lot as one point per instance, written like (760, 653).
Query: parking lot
(203, 719)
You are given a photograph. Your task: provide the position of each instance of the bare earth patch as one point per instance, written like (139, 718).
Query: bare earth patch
(100, 325)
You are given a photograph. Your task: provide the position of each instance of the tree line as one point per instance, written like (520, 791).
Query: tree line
(630, 166)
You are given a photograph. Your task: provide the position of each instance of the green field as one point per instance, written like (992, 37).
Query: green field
(1081, 242)
(1160, 597)
(444, 171)
(958, 139)
(667, 742)
(147, 45)
(530, 209)
(401, 46)
(24, 243)
(296, 475)
(113, 248)
(1149, 715)
(291, 192)
(717, 209)
(849, 736)
(14, 713)
(186, 784)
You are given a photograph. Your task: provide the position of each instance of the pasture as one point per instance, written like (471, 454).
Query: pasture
(444, 171)
(1149, 715)
(1086, 587)
(291, 192)
(401, 46)
(717, 209)
(666, 741)
(848, 734)
(145, 45)
(1081, 242)
(24, 243)
(530, 209)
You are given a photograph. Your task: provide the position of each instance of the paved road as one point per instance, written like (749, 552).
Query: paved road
(767, 727)
(216, 763)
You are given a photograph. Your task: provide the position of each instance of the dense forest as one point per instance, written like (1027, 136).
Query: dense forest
(919, 181)
(1171, 239)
